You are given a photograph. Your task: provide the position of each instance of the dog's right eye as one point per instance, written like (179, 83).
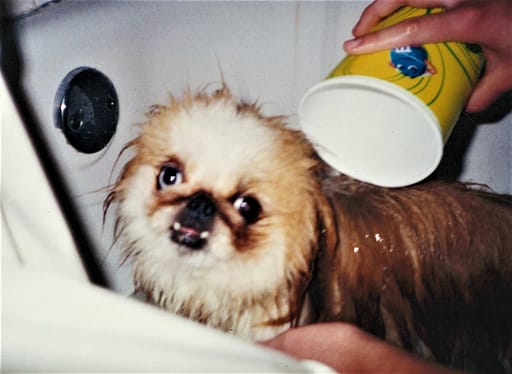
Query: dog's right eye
(169, 175)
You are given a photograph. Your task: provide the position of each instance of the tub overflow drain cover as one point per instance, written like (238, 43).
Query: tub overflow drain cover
(87, 109)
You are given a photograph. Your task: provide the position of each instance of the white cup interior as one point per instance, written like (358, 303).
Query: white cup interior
(372, 130)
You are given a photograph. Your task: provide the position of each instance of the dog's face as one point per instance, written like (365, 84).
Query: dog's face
(221, 213)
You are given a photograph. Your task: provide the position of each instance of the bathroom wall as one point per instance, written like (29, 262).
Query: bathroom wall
(23, 8)
(269, 51)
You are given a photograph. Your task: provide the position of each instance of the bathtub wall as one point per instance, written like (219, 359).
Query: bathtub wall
(269, 51)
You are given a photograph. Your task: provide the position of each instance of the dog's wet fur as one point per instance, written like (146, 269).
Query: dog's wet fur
(231, 219)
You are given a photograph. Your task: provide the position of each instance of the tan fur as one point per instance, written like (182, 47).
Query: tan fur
(427, 267)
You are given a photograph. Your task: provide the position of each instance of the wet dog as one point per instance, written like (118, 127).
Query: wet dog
(231, 219)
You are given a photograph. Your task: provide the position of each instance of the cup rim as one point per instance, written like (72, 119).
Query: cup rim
(428, 120)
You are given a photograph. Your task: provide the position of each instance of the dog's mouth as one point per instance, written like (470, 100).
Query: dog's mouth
(189, 236)
(194, 222)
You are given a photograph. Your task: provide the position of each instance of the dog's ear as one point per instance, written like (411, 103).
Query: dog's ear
(327, 225)
(327, 239)
(326, 217)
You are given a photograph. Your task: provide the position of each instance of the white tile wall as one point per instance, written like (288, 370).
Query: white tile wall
(270, 51)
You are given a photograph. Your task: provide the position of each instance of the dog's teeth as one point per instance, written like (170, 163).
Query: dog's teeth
(204, 235)
(176, 226)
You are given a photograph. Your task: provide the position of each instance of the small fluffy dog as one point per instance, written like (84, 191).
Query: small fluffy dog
(231, 219)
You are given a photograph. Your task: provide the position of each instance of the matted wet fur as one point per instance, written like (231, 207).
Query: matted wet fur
(427, 267)
(231, 219)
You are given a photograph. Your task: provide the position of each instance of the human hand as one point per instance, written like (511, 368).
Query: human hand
(346, 348)
(487, 23)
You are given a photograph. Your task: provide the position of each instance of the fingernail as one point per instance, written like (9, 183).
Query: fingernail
(351, 45)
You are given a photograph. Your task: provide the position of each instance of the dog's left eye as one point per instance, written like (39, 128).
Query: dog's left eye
(248, 207)
(168, 176)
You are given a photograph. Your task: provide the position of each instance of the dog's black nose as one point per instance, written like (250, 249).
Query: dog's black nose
(201, 207)
(193, 224)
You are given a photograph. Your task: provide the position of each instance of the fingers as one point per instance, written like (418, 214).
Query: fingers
(493, 84)
(380, 9)
(373, 13)
(486, 23)
(446, 26)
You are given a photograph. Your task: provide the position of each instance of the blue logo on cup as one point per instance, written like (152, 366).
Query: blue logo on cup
(412, 61)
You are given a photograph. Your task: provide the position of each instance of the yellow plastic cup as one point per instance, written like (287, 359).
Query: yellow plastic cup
(384, 117)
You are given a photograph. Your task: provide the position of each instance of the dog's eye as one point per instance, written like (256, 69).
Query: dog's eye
(168, 176)
(248, 207)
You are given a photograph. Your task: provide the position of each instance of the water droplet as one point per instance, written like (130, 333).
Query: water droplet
(378, 238)
(76, 121)
(356, 249)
